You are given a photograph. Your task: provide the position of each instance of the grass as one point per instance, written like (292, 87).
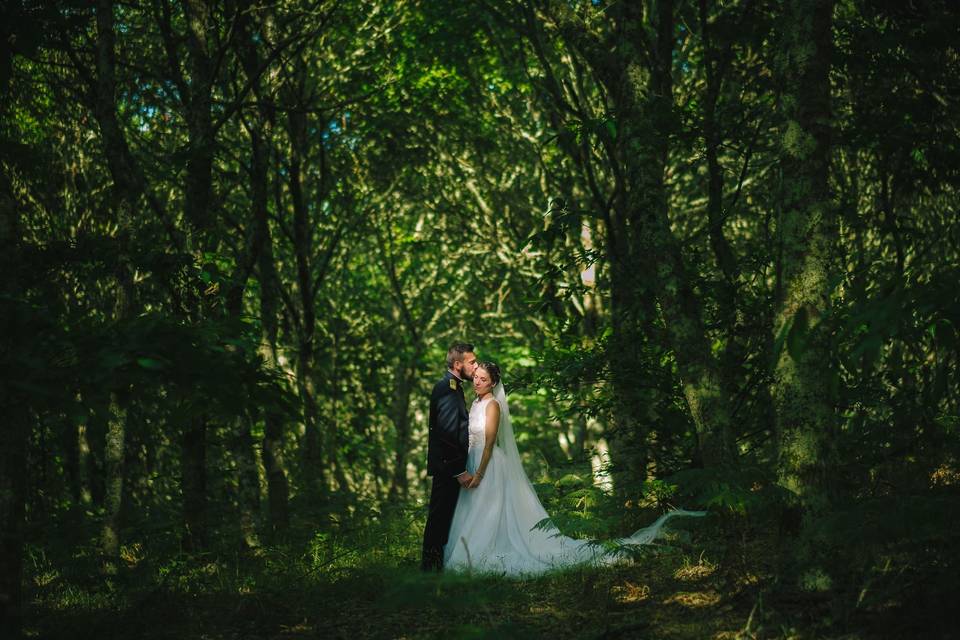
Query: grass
(358, 580)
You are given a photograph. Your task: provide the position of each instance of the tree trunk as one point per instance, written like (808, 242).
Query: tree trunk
(193, 470)
(94, 434)
(248, 483)
(716, 61)
(13, 471)
(646, 263)
(113, 479)
(632, 319)
(632, 303)
(278, 490)
(70, 444)
(198, 175)
(802, 391)
(645, 104)
(312, 444)
(14, 432)
(400, 413)
(199, 165)
(127, 187)
(303, 247)
(250, 57)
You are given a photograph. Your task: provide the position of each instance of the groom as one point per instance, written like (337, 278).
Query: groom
(447, 452)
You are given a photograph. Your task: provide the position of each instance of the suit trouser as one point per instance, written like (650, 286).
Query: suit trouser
(443, 501)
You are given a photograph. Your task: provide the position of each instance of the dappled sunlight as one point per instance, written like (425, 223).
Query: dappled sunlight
(712, 247)
(629, 592)
(689, 572)
(945, 475)
(694, 599)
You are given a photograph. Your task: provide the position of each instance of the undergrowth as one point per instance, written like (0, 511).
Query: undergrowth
(357, 577)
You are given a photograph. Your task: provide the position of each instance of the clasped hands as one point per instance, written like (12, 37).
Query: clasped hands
(469, 481)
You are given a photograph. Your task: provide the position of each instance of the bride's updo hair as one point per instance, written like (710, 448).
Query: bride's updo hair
(492, 369)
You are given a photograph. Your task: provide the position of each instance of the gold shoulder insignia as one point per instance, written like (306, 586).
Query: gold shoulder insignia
(453, 384)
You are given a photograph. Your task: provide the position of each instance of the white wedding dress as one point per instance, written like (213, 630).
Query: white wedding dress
(494, 526)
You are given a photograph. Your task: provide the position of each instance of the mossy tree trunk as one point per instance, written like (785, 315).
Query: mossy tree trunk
(803, 390)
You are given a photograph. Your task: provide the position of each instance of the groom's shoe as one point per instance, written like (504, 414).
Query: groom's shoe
(432, 560)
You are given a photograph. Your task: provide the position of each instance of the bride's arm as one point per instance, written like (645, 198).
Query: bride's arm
(490, 428)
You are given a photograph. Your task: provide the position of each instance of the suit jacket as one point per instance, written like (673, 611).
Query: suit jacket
(447, 443)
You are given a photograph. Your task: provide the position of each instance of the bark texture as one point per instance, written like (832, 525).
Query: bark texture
(802, 392)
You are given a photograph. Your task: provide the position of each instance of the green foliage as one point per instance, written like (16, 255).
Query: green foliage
(747, 491)
(273, 222)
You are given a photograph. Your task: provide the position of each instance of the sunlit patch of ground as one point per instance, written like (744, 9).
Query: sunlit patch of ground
(694, 599)
(630, 592)
(702, 569)
(944, 476)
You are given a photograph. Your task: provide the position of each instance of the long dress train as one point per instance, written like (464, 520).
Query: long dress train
(494, 525)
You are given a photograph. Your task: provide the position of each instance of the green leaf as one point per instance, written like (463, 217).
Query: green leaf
(612, 128)
(570, 480)
(150, 364)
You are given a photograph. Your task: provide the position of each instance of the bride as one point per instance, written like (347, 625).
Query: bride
(494, 525)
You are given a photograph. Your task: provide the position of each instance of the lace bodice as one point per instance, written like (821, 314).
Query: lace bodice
(478, 420)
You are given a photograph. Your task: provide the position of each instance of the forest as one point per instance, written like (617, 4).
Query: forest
(713, 245)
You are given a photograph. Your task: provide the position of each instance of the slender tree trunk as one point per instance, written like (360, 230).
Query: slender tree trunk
(248, 483)
(802, 392)
(715, 66)
(94, 436)
(193, 470)
(242, 448)
(278, 490)
(14, 431)
(113, 496)
(313, 471)
(400, 411)
(128, 187)
(13, 471)
(198, 189)
(632, 320)
(70, 445)
(303, 245)
(199, 165)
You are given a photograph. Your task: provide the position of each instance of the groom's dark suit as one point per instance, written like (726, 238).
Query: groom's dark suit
(446, 459)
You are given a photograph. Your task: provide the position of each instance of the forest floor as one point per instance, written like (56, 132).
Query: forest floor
(364, 584)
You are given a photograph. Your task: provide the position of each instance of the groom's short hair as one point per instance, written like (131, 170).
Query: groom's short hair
(455, 353)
